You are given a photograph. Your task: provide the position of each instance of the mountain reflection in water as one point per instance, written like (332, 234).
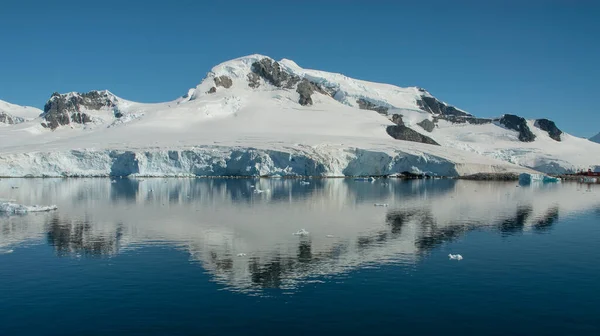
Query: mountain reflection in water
(245, 240)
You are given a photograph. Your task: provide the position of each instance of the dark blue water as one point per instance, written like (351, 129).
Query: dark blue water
(212, 257)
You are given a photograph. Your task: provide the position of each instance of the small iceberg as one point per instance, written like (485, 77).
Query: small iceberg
(526, 178)
(366, 179)
(241, 254)
(6, 251)
(455, 257)
(381, 204)
(304, 183)
(330, 236)
(259, 191)
(16, 209)
(301, 232)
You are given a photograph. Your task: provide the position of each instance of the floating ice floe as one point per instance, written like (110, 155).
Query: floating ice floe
(6, 251)
(259, 191)
(381, 204)
(330, 236)
(301, 232)
(241, 254)
(14, 208)
(526, 178)
(455, 257)
(304, 183)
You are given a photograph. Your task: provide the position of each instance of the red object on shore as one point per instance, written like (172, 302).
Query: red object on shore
(587, 173)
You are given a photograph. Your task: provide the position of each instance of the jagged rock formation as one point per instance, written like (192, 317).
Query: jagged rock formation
(550, 127)
(10, 119)
(427, 125)
(364, 104)
(271, 71)
(464, 119)
(434, 106)
(223, 81)
(518, 124)
(253, 80)
(402, 132)
(305, 89)
(62, 109)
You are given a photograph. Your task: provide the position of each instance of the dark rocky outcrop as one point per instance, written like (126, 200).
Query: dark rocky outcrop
(62, 109)
(518, 124)
(223, 81)
(464, 119)
(212, 90)
(272, 72)
(253, 80)
(397, 119)
(434, 106)
(80, 118)
(550, 127)
(364, 104)
(491, 177)
(427, 125)
(305, 89)
(6, 118)
(401, 132)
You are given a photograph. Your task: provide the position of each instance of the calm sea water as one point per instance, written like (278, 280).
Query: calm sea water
(214, 257)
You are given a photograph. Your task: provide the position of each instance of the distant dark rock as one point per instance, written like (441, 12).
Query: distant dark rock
(518, 124)
(491, 177)
(80, 118)
(550, 127)
(212, 90)
(465, 119)
(253, 80)
(223, 81)
(272, 72)
(61, 109)
(6, 118)
(305, 89)
(397, 119)
(401, 132)
(427, 125)
(434, 106)
(364, 104)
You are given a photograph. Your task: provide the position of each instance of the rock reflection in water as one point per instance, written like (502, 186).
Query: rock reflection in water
(245, 240)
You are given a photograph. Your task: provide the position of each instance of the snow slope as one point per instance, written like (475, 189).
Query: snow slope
(595, 138)
(226, 127)
(17, 113)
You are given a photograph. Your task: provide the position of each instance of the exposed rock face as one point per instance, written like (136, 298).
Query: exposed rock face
(253, 80)
(464, 119)
(434, 106)
(550, 127)
(518, 124)
(305, 89)
(397, 119)
(401, 132)
(62, 109)
(223, 81)
(364, 104)
(272, 72)
(427, 125)
(212, 90)
(10, 119)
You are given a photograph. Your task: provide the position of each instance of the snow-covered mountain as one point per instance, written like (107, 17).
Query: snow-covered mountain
(11, 114)
(256, 116)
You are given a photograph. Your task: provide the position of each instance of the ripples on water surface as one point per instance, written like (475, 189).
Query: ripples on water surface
(205, 257)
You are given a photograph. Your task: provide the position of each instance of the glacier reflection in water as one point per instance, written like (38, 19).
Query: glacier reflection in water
(245, 240)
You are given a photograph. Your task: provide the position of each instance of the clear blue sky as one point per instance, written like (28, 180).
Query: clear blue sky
(529, 57)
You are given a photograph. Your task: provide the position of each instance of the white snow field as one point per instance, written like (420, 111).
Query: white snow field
(263, 130)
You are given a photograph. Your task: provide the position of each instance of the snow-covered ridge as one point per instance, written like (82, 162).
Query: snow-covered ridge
(11, 114)
(257, 103)
(595, 138)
